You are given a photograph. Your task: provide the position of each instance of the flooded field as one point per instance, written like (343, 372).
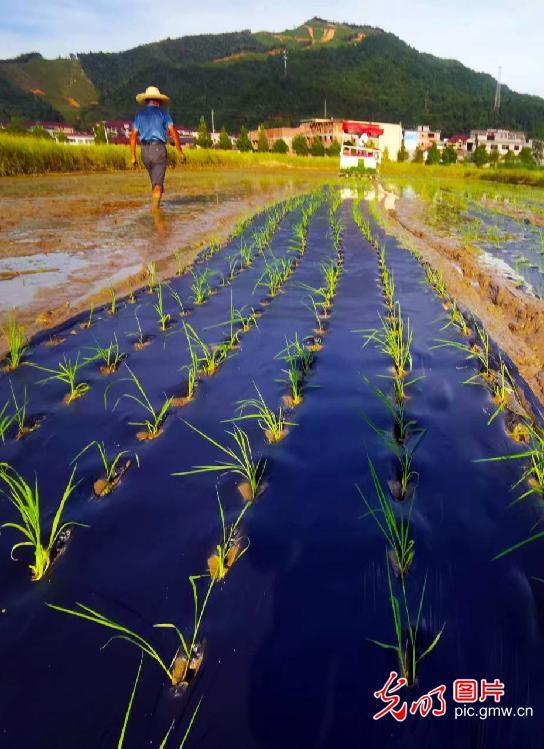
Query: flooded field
(65, 240)
(487, 240)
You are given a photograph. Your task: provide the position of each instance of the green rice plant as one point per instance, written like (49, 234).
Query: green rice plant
(178, 300)
(457, 319)
(394, 339)
(113, 301)
(214, 245)
(232, 546)
(121, 741)
(435, 280)
(181, 267)
(26, 501)
(201, 287)
(110, 356)
(141, 339)
(406, 631)
(6, 420)
(151, 277)
(395, 530)
(502, 387)
(404, 453)
(164, 317)
(295, 381)
(533, 473)
(296, 353)
(24, 425)
(273, 425)
(210, 357)
(16, 340)
(156, 417)
(113, 471)
(67, 373)
(239, 460)
(272, 278)
(299, 240)
(245, 254)
(402, 427)
(234, 266)
(89, 321)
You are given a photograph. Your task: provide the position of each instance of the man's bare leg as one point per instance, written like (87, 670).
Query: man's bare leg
(156, 196)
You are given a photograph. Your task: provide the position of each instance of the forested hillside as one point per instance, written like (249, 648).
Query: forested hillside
(362, 72)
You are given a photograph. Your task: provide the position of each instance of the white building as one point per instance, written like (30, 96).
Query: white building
(80, 139)
(498, 140)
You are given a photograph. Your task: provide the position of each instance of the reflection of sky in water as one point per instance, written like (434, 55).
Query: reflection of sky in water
(37, 270)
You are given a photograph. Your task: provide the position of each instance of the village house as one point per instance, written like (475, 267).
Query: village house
(427, 137)
(498, 140)
(80, 139)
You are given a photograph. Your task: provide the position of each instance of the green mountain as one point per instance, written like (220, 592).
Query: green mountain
(362, 72)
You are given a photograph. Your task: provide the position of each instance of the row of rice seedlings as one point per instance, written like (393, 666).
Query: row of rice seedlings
(114, 468)
(16, 341)
(25, 499)
(298, 359)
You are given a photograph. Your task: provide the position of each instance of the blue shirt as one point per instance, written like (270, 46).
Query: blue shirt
(152, 123)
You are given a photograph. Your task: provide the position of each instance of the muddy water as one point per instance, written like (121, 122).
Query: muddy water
(65, 240)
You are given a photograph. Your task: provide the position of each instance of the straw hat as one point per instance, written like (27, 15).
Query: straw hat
(152, 92)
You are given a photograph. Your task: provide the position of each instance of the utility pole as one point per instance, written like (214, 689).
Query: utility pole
(285, 58)
(497, 104)
(213, 123)
(325, 109)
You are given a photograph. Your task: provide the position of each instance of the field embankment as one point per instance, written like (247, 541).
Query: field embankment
(23, 155)
(507, 175)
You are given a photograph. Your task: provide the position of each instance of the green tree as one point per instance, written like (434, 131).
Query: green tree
(242, 142)
(386, 157)
(225, 143)
(203, 139)
(402, 154)
(40, 132)
(334, 149)
(300, 145)
(538, 151)
(433, 155)
(494, 157)
(61, 136)
(263, 146)
(526, 157)
(316, 146)
(280, 146)
(418, 156)
(16, 126)
(480, 156)
(510, 158)
(99, 134)
(449, 155)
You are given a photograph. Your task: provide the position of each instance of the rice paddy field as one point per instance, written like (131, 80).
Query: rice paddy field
(252, 504)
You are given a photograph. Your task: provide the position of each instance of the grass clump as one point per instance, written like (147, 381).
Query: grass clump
(17, 342)
(110, 356)
(26, 500)
(113, 469)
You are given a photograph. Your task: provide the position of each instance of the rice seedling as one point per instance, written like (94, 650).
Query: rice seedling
(210, 357)
(25, 499)
(502, 388)
(24, 425)
(113, 301)
(121, 741)
(406, 632)
(6, 420)
(110, 356)
(153, 424)
(402, 427)
(17, 342)
(457, 319)
(214, 246)
(272, 278)
(273, 425)
(232, 546)
(295, 352)
(151, 277)
(164, 317)
(404, 453)
(131, 296)
(435, 280)
(67, 373)
(89, 321)
(394, 339)
(183, 311)
(533, 473)
(141, 340)
(201, 287)
(114, 470)
(181, 267)
(239, 461)
(298, 243)
(395, 530)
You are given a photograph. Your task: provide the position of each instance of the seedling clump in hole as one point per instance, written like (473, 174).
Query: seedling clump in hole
(17, 342)
(113, 470)
(153, 424)
(274, 425)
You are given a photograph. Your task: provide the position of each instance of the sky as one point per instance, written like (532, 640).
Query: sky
(482, 34)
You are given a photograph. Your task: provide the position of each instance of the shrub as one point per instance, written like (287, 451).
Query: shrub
(300, 145)
(280, 146)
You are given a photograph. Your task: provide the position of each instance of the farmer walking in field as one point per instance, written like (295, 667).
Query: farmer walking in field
(153, 123)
